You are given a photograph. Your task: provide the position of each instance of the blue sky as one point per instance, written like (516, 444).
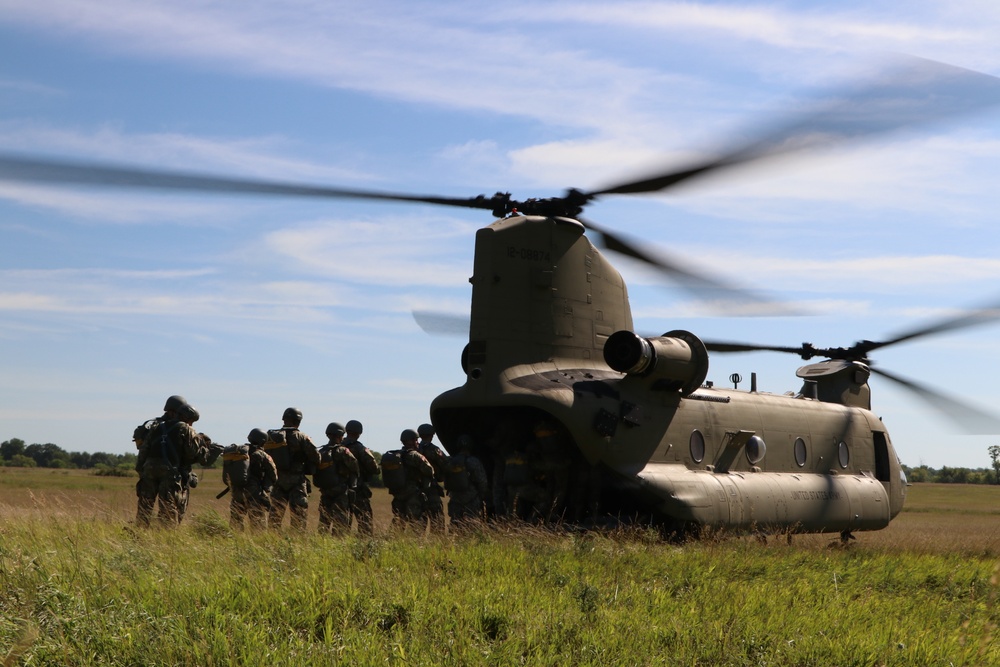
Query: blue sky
(110, 301)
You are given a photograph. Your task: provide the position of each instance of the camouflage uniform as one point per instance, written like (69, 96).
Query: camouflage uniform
(408, 483)
(168, 450)
(294, 455)
(252, 499)
(465, 479)
(528, 498)
(361, 503)
(336, 474)
(434, 492)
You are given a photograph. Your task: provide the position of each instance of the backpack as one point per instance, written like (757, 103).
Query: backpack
(328, 474)
(456, 475)
(142, 430)
(515, 470)
(277, 447)
(236, 465)
(393, 472)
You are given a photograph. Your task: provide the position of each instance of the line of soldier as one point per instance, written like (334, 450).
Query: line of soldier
(268, 474)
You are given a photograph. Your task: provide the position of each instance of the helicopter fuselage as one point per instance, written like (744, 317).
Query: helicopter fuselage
(668, 447)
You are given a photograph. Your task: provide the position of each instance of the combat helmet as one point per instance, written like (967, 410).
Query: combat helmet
(174, 403)
(188, 414)
(257, 437)
(464, 442)
(334, 429)
(354, 426)
(292, 416)
(425, 431)
(408, 435)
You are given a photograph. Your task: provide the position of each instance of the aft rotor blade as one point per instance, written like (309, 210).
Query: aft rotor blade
(67, 172)
(913, 93)
(719, 295)
(965, 320)
(441, 324)
(972, 420)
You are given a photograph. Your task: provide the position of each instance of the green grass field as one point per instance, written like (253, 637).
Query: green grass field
(80, 586)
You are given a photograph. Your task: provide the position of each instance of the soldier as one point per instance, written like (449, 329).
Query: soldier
(368, 468)
(434, 493)
(249, 472)
(208, 452)
(336, 476)
(553, 464)
(167, 449)
(294, 455)
(465, 480)
(407, 474)
(527, 492)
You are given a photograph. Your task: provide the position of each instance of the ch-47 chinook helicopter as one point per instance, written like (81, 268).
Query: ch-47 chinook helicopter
(636, 430)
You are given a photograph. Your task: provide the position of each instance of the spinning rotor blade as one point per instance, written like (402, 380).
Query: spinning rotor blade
(965, 320)
(38, 170)
(722, 297)
(915, 92)
(720, 346)
(970, 419)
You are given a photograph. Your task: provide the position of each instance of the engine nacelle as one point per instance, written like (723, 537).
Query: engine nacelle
(675, 361)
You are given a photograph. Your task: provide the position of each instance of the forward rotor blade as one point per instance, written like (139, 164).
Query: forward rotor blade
(67, 172)
(721, 346)
(965, 320)
(717, 294)
(972, 420)
(913, 93)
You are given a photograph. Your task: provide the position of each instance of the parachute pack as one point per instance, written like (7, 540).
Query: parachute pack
(277, 447)
(236, 465)
(393, 472)
(456, 475)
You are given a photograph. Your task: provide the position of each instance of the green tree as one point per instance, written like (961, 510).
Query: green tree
(11, 448)
(994, 451)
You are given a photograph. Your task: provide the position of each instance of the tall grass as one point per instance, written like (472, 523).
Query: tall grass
(88, 592)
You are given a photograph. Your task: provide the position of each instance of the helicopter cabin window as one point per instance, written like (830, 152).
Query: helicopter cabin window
(844, 454)
(800, 452)
(697, 445)
(755, 449)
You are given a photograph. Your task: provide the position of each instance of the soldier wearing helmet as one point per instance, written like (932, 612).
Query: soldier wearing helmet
(368, 470)
(294, 456)
(208, 452)
(250, 474)
(407, 474)
(169, 447)
(434, 493)
(465, 480)
(336, 476)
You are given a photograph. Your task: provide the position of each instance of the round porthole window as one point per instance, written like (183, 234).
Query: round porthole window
(800, 452)
(755, 449)
(844, 454)
(697, 444)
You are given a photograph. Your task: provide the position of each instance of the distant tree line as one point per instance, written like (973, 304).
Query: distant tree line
(14, 453)
(947, 475)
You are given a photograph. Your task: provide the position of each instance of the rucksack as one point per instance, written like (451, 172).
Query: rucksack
(236, 465)
(328, 474)
(143, 430)
(277, 447)
(393, 472)
(456, 475)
